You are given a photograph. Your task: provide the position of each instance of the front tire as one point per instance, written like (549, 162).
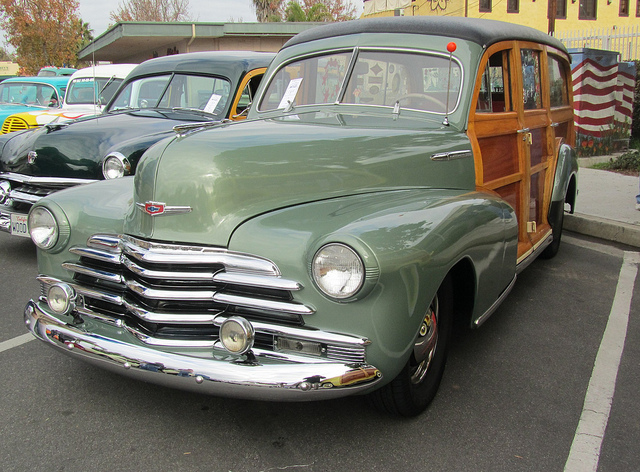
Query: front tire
(416, 385)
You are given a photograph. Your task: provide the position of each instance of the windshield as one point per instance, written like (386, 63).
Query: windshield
(413, 80)
(85, 90)
(209, 94)
(28, 94)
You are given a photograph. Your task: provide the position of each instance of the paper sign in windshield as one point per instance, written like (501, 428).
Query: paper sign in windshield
(212, 103)
(291, 92)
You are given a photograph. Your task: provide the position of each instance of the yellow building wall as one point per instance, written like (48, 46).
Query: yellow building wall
(531, 13)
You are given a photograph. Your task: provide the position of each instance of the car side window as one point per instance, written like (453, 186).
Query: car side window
(495, 86)
(532, 88)
(559, 95)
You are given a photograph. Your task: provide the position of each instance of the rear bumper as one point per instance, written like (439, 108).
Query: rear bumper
(266, 377)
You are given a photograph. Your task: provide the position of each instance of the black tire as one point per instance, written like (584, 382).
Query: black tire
(556, 227)
(411, 392)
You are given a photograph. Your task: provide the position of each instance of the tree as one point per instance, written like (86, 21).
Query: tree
(43, 32)
(304, 10)
(5, 56)
(152, 10)
(268, 10)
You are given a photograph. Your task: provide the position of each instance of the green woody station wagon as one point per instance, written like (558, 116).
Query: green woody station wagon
(394, 175)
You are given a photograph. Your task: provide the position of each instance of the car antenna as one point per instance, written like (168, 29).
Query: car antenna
(451, 47)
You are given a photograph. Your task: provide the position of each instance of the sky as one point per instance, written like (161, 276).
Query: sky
(96, 12)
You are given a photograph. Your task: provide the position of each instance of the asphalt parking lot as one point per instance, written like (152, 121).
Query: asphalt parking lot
(512, 398)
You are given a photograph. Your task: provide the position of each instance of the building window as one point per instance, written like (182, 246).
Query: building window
(561, 9)
(638, 8)
(485, 6)
(513, 6)
(588, 9)
(624, 8)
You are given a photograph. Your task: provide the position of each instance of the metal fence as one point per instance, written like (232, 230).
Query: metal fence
(623, 39)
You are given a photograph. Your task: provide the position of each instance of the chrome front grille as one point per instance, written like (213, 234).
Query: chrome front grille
(179, 295)
(25, 190)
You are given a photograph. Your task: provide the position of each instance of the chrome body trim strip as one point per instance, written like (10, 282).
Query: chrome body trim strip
(496, 304)
(270, 377)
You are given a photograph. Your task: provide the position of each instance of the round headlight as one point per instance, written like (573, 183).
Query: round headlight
(61, 299)
(115, 166)
(338, 271)
(43, 228)
(237, 335)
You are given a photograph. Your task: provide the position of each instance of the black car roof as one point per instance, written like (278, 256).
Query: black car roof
(225, 63)
(480, 31)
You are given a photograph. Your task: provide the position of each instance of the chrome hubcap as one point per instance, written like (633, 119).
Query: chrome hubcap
(426, 343)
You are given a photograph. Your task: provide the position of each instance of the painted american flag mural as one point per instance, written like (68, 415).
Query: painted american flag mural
(603, 92)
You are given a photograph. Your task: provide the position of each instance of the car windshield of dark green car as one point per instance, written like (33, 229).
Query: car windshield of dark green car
(397, 79)
(86, 90)
(26, 93)
(175, 91)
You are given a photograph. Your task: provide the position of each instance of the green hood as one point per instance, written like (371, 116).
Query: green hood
(232, 173)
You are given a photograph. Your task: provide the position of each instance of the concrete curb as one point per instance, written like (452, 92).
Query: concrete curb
(602, 228)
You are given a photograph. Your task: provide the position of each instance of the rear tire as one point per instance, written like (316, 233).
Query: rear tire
(416, 385)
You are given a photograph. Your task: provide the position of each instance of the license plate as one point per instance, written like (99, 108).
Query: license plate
(19, 225)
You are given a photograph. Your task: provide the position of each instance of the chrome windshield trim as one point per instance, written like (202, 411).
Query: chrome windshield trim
(42, 181)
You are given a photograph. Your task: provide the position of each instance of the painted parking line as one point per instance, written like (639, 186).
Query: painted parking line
(17, 341)
(587, 442)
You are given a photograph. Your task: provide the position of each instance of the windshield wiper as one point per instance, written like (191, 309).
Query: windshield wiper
(194, 110)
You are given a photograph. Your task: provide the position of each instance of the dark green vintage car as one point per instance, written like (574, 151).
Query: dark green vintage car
(394, 175)
(157, 95)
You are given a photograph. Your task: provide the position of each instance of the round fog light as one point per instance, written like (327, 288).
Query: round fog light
(237, 335)
(61, 299)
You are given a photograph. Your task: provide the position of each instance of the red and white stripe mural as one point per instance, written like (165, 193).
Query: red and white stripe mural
(603, 92)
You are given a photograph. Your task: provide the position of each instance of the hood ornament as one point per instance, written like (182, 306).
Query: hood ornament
(31, 157)
(159, 208)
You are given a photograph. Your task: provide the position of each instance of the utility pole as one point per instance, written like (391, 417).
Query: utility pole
(553, 7)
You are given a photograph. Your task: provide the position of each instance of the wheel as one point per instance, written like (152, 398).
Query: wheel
(425, 97)
(416, 385)
(556, 227)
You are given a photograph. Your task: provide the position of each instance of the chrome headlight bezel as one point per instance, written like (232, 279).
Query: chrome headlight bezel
(43, 227)
(338, 271)
(61, 299)
(54, 239)
(115, 166)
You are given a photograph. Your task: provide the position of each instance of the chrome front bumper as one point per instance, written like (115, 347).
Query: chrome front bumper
(265, 377)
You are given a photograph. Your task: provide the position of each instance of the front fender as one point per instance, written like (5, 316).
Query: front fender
(86, 209)
(133, 149)
(408, 240)
(565, 183)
